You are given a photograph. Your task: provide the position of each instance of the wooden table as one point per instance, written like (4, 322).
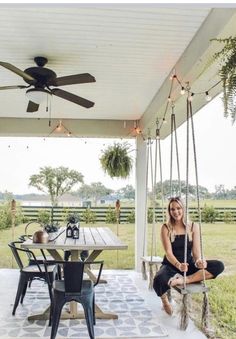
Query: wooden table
(93, 239)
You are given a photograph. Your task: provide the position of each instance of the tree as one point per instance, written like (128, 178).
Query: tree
(94, 191)
(55, 182)
(127, 192)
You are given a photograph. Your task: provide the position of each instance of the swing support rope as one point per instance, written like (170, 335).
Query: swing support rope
(205, 307)
(174, 138)
(153, 175)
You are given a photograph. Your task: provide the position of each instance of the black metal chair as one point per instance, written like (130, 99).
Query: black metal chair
(39, 258)
(29, 271)
(73, 287)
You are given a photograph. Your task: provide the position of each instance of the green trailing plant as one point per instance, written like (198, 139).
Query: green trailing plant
(116, 161)
(227, 73)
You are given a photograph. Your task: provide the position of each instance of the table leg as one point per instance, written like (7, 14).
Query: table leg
(40, 316)
(93, 255)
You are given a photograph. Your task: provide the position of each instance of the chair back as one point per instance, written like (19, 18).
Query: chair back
(73, 272)
(16, 250)
(73, 276)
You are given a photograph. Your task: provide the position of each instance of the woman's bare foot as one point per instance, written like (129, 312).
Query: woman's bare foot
(166, 304)
(177, 279)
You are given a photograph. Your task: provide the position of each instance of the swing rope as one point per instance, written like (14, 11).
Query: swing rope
(174, 138)
(153, 259)
(161, 179)
(146, 179)
(205, 306)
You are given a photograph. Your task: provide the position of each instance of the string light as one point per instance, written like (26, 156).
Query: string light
(169, 99)
(164, 120)
(182, 92)
(208, 97)
(59, 127)
(190, 98)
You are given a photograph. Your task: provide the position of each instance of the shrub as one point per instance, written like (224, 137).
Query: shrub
(89, 216)
(209, 214)
(228, 217)
(111, 216)
(6, 215)
(131, 217)
(44, 216)
(150, 215)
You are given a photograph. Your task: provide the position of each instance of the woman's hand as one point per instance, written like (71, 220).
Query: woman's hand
(183, 267)
(201, 263)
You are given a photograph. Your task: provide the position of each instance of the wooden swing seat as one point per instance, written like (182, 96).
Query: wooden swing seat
(191, 288)
(150, 261)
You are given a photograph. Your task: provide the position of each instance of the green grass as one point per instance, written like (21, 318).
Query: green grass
(218, 242)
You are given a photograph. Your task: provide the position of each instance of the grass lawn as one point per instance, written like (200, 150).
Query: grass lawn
(219, 242)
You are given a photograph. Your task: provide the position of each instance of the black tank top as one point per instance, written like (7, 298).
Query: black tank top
(178, 249)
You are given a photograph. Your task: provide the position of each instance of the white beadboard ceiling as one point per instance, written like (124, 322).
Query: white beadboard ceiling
(129, 48)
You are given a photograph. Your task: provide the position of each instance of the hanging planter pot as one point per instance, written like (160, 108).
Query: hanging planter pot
(227, 73)
(116, 161)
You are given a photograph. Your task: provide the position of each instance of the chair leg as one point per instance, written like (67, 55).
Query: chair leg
(21, 285)
(30, 282)
(88, 312)
(56, 314)
(94, 315)
(23, 293)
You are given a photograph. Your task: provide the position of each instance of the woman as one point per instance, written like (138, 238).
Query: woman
(173, 265)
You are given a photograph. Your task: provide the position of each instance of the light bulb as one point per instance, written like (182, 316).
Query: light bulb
(164, 121)
(191, 97)
(169, 99)
(182, 92)
(59, 127)
(208, 97)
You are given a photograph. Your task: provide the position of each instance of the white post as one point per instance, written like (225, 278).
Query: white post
(140, 201)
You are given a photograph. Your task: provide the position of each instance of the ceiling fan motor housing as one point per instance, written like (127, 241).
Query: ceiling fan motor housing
(42, 76)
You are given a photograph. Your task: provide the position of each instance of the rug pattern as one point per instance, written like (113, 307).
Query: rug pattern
(119, 295)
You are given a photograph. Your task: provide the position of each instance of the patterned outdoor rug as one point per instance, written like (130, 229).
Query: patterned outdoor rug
(119, 295)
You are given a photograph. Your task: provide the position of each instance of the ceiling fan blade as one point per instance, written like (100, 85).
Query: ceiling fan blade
(32, 107)
(72, 97)
(72, 79)
(12, 87)
(17, 71)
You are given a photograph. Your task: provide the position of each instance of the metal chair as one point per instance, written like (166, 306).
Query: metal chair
(29, 271)
(73, 287)
(40, 258)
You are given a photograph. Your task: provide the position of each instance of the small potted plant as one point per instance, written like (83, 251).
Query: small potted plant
(227, 72)
(116, 161)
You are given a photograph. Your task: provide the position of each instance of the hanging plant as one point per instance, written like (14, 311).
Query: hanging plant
(116, 160)
(227, 74)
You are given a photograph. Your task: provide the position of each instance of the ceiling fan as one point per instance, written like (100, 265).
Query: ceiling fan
(40, 80)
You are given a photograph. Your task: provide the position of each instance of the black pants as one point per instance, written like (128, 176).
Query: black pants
(160, 283)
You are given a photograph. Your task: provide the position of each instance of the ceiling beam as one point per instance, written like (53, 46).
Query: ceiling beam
(34, 127)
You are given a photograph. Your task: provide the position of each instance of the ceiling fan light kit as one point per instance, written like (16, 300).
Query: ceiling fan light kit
(37, 95)
(42, 79)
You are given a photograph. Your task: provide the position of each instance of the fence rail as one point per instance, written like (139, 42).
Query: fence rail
(31, 212)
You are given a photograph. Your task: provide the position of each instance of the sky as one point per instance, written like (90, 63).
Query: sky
(215, 141)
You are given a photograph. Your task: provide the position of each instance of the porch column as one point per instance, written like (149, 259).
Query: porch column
(140, 200)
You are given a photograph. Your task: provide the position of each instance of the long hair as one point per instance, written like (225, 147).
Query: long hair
(171, 220)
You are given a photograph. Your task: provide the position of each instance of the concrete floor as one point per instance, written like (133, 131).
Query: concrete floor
(9, 281)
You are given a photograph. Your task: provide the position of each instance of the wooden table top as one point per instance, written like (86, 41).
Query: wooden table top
(91, 238)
